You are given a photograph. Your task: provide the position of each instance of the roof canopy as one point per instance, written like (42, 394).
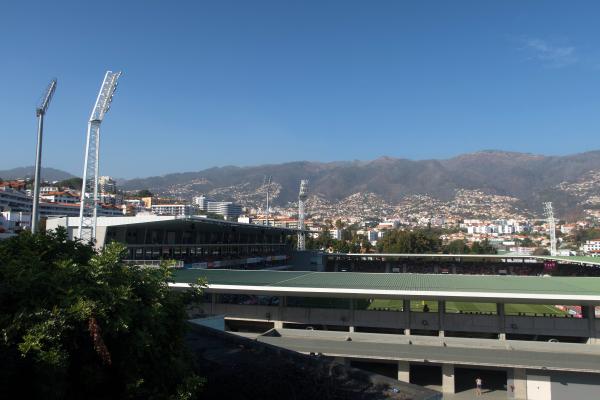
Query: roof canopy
(481, 288)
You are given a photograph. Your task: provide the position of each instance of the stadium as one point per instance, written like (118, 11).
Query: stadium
(526, 325)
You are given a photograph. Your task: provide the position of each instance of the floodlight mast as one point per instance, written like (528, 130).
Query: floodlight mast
(267, 182)
(302, 196)
(88, 211)
(40, 111)
(551, 227)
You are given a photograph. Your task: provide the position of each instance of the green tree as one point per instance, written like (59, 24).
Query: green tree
(540, 251)
(420, 241)
(457, 246)
(483, 247)
(144, 193)
(78, 324)
(71, 183)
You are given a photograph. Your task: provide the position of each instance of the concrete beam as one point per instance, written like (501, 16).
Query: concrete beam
(448, 385)
(404, 371)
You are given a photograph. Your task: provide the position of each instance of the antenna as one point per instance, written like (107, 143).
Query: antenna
(302, 196)
(40, 111)
(551, 226)
(88, 211)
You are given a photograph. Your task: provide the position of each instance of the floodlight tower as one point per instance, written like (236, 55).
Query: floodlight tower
(551, 226)
(267, 182)
(302, 196)
(40, 111)
(88, 210)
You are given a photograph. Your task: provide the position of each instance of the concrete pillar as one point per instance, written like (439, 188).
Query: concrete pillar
(589, 312)
(520, 384)
(454, 269)
(448, 378)
(436, 269)
(404, 371)
(352, 308)
(406, 312)
(281, 308)
(278, 324)
(387, 267)
(213, 302)
(336, 266)
(501, 321)
(350, 328)
(441, 315)
(404, 268)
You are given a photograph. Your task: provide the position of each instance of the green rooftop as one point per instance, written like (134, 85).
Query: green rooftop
(562, 286)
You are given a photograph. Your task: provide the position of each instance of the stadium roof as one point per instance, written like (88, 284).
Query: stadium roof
(581, 260)
(167, 220)
(490, 288)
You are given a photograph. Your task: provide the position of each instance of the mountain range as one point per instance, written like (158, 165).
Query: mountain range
(530, 178)
(568, 181)
(48, 174)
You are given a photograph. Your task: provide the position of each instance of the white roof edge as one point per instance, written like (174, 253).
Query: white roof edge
(405, 293)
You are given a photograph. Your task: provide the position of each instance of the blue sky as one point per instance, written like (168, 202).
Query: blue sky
(253, 82)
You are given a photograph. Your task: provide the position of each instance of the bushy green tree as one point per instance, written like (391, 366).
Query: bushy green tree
(457, 246)
(483, 247)
(76, 324)
(144, 193)
(400, 241)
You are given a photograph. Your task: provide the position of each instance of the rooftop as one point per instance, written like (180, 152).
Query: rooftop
(566, 259)
(168, 219)
(521, 289)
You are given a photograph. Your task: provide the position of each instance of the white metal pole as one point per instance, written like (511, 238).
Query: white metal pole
(36, 181)
(83, 188)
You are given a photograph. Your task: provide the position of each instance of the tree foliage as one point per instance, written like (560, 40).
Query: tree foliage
(72, 183)
(78, 324)
(483, 247)
(457, 246)
(416, 242)
(144, 193)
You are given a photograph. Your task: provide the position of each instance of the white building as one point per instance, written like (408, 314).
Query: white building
(46, 189)
(227, 209)
(592, 247)
(172, 209)
(59, 197)
(336, 234)
(201, 202)
(106, 184)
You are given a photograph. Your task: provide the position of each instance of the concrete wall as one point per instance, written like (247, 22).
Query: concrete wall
(381, 319)
(425, 320)
(324, 316)
(471, 323)
(571, 386)
(259, 313)
(547, 326)
(577, 327)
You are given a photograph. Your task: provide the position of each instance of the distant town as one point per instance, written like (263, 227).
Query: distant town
(360, 223)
